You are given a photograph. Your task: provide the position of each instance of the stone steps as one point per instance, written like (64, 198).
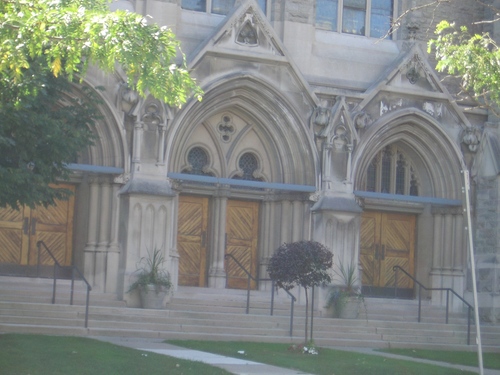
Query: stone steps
(210, 314)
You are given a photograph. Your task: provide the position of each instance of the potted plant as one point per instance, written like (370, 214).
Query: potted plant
(346, 299)
(153, 281)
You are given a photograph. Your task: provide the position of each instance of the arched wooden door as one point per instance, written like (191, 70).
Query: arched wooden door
(20, 230)
(242, 230)
(387, 240)
(192, 240)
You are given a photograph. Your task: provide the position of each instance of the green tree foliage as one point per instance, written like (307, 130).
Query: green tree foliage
(302, 263)
(39, 136)
(45, 45)
(473, 58)
(65, 36)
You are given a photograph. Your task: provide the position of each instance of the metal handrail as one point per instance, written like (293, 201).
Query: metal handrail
(250, 277)
(74, 270)
(448, 291)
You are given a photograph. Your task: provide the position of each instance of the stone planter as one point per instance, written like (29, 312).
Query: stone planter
(153, 299)
(350, 308)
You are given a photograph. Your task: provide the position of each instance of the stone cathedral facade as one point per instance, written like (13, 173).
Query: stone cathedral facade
(315, 124)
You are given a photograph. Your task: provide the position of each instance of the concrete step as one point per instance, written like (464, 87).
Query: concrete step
(203, 313)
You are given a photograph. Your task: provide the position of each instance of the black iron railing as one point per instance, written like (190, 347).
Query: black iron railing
(447, 290)
(250, 278)
(74, 270)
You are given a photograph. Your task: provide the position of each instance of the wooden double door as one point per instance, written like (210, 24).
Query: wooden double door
(387, 240)
(20, 230)
(194, 243)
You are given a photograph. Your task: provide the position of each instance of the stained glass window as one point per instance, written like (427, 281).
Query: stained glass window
(394, 174)
(198, 162)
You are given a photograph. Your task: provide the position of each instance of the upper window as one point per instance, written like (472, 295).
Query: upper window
(249, 166)
(214, 6)
(360, 17)
(198, 162)
(392, 172)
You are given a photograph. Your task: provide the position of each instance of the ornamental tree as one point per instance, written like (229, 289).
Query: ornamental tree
(303, 263)
(473, 58)
(44, 44)
(38, 136)
(65, 36)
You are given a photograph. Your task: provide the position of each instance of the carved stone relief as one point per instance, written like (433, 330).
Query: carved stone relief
(153, 131)
(247, 35)
(434, 109)
(362, 120)
(470, 138)
(226, 128)
(388, 105)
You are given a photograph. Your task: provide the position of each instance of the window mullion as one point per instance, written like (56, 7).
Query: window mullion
(368, 17)
(407, 178)
(393, 169)
(340, 13)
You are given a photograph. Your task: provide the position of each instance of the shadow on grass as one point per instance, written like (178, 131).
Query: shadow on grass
(61, 355)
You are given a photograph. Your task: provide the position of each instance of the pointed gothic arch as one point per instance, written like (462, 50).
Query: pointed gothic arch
(110, 147)
(281, 130)
(438, 231)
(436, 157)
(253, 134)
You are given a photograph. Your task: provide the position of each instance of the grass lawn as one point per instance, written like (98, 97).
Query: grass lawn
(490, 360)
(328, 361)
(37, 355)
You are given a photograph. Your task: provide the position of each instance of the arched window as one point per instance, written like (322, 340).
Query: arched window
(391, 172)
(198, 162)
(248, 165)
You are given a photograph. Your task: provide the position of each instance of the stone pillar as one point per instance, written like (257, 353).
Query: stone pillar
(113, 259)
(437, 248)
(448, 242)
(137, 145)
(103, 234)
(267, 239)
(286, 216)
(217, 272)
(447, 250)
(92, 232)
(298, 221)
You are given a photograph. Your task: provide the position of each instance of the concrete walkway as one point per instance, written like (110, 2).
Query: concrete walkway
(233, 365)
(426, 361)
(243, 367)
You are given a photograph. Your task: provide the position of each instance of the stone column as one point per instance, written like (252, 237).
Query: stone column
(447, 250)
(92, 232)
(136, 151)
(162, 128)
(459, 259)
(448, 241)
(103, 236)
(286, 221)
(265, 251)
(113, 259)
(217, 272)
(298, 221)
(438, 243)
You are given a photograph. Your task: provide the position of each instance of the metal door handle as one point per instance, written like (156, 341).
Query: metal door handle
(33, 226)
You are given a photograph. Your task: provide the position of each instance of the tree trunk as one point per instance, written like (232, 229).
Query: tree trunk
(307, 315)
